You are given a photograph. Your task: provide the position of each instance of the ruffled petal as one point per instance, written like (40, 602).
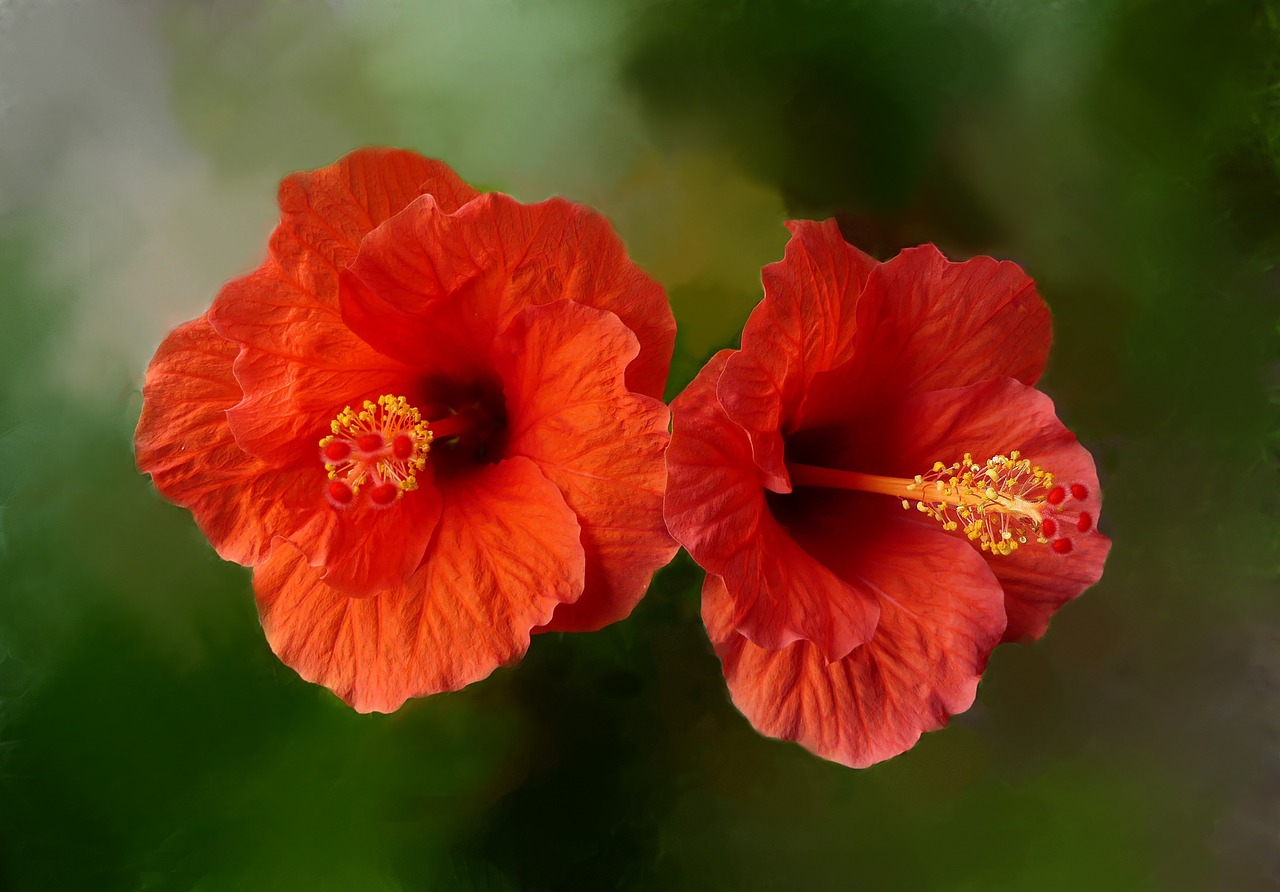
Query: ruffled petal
(184, 442)
(941, 615)
(240, 502)
(506, 552)
(367, 549)
(493, 257)
(569, 410)
(804, 326)
(995, 418)
(715, 507)
(336, 206)
(925, 323)
(301, 363)
(299, 367)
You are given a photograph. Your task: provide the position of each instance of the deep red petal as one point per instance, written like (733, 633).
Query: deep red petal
(493, 257)
(804, 326)
(563, 367)
(301, 364)
(995, 418)
(715, 507)
(925, 323)
(940, 617)
(505, 554)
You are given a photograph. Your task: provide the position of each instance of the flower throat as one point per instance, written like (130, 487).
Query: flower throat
(1001, 504)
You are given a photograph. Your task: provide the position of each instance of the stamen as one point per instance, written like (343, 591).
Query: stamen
(999, 505)
(384, 445)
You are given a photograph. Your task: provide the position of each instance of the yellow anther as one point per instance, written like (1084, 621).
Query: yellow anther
(997, 503)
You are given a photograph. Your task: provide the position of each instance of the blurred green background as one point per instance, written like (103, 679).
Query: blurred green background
(1126, 152)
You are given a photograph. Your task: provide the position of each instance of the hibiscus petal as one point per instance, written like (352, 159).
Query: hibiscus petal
(715, 507)
(940, 617)
(493, 257)
(299, 367)
(995, 418)
(368, 550)
(506, 552)
(563, 367)
(301, 363)
(184, 442)
(336, 206)
(925, 323)
(804, 326)
(240, 502)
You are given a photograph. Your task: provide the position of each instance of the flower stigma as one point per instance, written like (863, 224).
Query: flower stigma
(1000, 505)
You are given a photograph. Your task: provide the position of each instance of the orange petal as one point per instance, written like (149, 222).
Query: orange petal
(506, 552)
(563, 367)
(493, 257)
(299, 367)
(941, 615)
(184, 442)
(715, 507)
(995, 418)
(804, 326)
(334, 207)
(240, 502)
(301, 364)
(368, 550)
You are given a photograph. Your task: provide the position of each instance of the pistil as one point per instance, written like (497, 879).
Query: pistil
(1001, 504)
(381, 448)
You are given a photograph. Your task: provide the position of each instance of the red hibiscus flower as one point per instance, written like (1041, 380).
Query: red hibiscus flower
(430, 421)
(862, 389)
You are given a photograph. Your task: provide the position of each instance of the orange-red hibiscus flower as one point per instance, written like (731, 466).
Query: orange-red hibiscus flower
(430, 421)
(862, 389)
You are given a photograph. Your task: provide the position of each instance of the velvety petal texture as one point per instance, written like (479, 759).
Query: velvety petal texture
(996, 417)
(564, 367)
(428, 420)
(716, 508)
(506, 553)
(842, 620)
(925, 323)
(497, 256)
(184, 442)
(804, 326)
(296, 351)
(941, 614)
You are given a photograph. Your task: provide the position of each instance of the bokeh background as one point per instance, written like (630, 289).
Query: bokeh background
(1126, 152)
